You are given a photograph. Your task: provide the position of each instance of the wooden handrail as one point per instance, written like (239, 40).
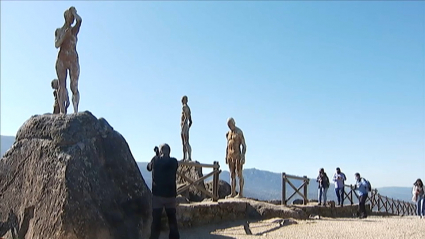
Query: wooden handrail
(285, 179)
(383, 203)
(296, 177)
(192, 182)
(190, 163)
(377, 201)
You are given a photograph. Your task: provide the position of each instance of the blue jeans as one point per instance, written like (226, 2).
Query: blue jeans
(362, 206)
(420, 206)
(322, 192)
(340, 195)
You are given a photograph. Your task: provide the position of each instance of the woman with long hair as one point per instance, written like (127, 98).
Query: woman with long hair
(418, 197)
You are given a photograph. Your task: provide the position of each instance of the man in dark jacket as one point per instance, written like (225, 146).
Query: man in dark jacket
(164, 191)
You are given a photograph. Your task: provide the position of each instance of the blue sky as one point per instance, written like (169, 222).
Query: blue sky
(311, 84)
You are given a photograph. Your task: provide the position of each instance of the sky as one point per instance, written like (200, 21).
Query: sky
(311, 84)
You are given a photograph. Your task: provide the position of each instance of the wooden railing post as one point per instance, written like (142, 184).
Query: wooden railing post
(305, 190)
(283, 189)
(216, 181)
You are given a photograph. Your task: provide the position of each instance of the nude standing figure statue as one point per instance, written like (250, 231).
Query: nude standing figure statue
(55, 87)
(67, 61)
(186, 123)
(235, 157)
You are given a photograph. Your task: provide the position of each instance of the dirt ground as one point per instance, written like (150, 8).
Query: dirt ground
(411, 227)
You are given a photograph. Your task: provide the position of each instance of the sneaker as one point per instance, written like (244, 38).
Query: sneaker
(319, 204)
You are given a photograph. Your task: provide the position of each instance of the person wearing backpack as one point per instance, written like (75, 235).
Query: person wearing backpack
(363, 187)
(323, 181)
(418, 197)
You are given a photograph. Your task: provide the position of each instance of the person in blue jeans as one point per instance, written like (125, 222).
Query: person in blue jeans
(323, 181)
(339, 179)
(362, 189)
(418, 197)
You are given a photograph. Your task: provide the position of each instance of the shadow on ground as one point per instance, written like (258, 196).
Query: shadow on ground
(207, 231)
(233, 229)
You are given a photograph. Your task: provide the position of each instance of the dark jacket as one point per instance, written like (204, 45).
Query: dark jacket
(164, 171)
(323, 180)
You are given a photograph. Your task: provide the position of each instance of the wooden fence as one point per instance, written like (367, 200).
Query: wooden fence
(286, 179)
(192, 182)
(380, 203)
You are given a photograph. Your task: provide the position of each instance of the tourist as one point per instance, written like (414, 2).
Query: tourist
(339, 179)
(323, 181)
(418, 197)
(164, 191)
(362, 189)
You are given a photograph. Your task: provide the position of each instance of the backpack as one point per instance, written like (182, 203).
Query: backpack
(368, 185)
(326, 181)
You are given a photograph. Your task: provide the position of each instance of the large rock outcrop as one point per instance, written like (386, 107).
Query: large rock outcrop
(224, 188)
(72, 177)
(194, 173)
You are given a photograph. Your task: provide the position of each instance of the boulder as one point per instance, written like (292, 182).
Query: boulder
(298, 202)
(72, 177)
(224, 188)
(181, 200)
(194, 173)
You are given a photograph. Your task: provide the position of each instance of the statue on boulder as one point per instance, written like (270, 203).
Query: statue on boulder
(55, 87)
(67, 61)
(235, 157)
(186, 123)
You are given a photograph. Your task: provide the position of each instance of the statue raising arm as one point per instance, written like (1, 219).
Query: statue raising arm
(64, 32)
(78, 21)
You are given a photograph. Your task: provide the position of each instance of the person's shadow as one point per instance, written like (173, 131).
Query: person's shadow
(12, 223)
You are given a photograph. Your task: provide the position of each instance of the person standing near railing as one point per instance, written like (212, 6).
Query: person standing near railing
(339, 179)
(418, 197)
(323, 181)
(362, 189)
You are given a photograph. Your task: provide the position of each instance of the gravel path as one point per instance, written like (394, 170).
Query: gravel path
(329, 228)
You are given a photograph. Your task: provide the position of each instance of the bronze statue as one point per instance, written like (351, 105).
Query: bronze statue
(235, 157)
(67, 61)
(55, 86)
(186, 123)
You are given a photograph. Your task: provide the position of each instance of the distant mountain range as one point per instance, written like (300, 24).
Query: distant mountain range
(260, 184)
(265, 185)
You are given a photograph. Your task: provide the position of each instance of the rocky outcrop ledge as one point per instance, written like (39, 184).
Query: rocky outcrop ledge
(202, 213)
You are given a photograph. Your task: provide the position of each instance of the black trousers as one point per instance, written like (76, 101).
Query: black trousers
(362, 206)
(158, 203)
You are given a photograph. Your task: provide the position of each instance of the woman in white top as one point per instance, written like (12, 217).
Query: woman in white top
(418, 197)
